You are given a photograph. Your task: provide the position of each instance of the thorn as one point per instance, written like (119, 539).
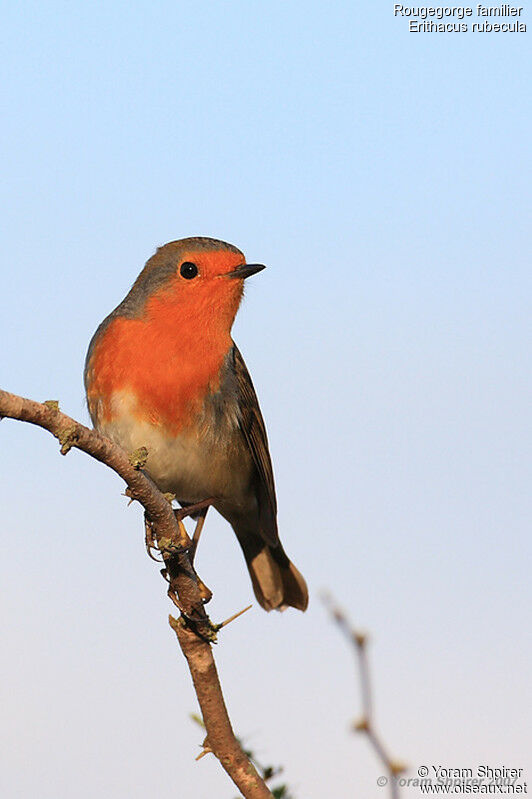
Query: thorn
(128, 493)
(205, 745)
(206, 751)
(231, 618)
(360, 639)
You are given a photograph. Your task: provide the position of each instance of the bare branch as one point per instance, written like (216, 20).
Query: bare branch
(366, 723)
(194, 629)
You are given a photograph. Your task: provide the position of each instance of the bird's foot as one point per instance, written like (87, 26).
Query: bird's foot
(150, 540)
(164, 546)
(205, 592)
(199, 622)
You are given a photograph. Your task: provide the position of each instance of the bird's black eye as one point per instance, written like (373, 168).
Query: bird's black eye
(188, 270)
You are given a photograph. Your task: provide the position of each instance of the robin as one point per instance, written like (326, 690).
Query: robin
(162, 371)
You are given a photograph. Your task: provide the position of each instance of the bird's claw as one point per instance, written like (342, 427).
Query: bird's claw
(201, 624)
(149, 539)
(205, 592)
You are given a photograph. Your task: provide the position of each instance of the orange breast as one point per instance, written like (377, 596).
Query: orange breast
(168, 360)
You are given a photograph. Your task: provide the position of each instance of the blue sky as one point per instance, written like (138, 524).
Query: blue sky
(384, 178)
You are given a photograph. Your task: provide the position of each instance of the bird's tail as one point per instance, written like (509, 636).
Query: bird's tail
(276, 581)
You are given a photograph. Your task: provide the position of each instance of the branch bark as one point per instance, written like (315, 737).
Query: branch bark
(193, 629)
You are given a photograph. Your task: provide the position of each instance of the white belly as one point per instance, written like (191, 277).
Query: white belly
(192, 465)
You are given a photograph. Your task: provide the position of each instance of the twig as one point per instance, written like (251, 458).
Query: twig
(195, 629)
(366, 723)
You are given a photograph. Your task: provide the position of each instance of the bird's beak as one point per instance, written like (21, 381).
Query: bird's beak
(245, 270)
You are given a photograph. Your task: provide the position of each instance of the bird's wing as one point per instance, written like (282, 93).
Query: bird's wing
(254, 430)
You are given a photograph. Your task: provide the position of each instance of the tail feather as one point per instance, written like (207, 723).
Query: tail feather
(276, 581)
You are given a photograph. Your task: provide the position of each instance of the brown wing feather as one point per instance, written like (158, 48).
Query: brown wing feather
(254, 430)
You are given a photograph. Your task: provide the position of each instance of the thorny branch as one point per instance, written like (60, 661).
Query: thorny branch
(193, 629)
(366, 723)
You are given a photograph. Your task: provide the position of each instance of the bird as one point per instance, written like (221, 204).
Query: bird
(163, 372)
